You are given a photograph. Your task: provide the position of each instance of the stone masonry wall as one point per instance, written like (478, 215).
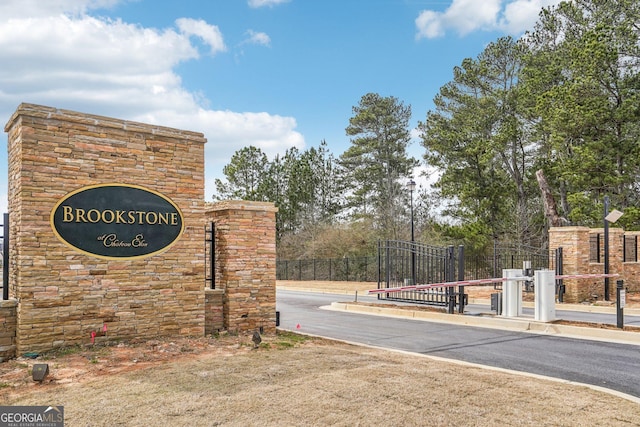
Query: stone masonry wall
(631, 268)
(213, 312)
(575, 243)
(8, 320)
(64, 295)
(246, 263)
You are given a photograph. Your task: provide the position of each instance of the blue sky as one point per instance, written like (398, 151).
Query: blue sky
(268, 73)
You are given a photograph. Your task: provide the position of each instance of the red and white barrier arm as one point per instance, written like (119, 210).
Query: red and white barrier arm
(480, 282)
(585, 276)
(445, 285)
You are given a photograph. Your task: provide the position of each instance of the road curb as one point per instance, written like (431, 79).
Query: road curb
(519, 324)
(585, 308)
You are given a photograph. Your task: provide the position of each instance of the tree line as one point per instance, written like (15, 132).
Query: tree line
(531, 133)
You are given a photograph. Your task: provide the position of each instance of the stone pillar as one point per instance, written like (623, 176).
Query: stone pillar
(574, 242)
(576, 251)
(631, 267)
(246, 263)
(65, 295)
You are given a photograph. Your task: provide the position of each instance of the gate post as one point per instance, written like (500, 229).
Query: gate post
(460, 278)
(450, 274)
(620, 303)
(559, 283)
(511, 294)
(246, 253)
(545, 298)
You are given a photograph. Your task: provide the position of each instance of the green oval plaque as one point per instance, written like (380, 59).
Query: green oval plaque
(117, 221)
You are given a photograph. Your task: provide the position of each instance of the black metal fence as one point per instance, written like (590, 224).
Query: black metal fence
(428, 264)
(360, 269)
(402, 263)
(490, 263)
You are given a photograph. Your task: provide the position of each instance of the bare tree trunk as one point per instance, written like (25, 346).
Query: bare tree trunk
(550, 208)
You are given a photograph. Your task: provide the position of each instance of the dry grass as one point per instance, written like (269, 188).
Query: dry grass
(294, 381)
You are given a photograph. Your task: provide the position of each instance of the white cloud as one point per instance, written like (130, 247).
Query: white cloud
(210, 34)
(263, 3)
(466, 16)
(228, 131)
(38, 8)
(109, 67)
(471, 15)
(430, 24)
(258, 38)
(521, 15)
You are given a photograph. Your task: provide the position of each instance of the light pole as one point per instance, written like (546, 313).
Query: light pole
(609, 217)
(412, 186)
(606, 248)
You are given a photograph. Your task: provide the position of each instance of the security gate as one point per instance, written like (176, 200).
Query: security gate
(407, 267)
(406, 264)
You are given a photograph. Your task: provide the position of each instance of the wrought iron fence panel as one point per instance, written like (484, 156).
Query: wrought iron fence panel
(357, 269)
(405, 264)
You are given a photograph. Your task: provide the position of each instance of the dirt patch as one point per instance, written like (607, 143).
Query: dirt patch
(293, 380)
(597, 325)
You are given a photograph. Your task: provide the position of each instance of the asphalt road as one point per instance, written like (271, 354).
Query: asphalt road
(610, 365)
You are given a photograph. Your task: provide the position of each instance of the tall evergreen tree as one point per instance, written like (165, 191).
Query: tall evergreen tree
(317, 173)
(303, 186)
(376, 165)
(246, 175)
(478, 140)
(278, 189)
(583, 83)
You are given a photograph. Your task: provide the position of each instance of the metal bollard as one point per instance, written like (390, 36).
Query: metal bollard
(620, 303)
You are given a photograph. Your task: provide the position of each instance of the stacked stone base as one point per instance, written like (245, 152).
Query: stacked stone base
(8, 322)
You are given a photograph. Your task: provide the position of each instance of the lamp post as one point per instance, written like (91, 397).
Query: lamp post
(606, 248)
(609, 217)
(412, 186)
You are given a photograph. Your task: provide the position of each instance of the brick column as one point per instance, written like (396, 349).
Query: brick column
(246, 263)
(65, 295)
(8, 322)
(576, 260)
(574, 242)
